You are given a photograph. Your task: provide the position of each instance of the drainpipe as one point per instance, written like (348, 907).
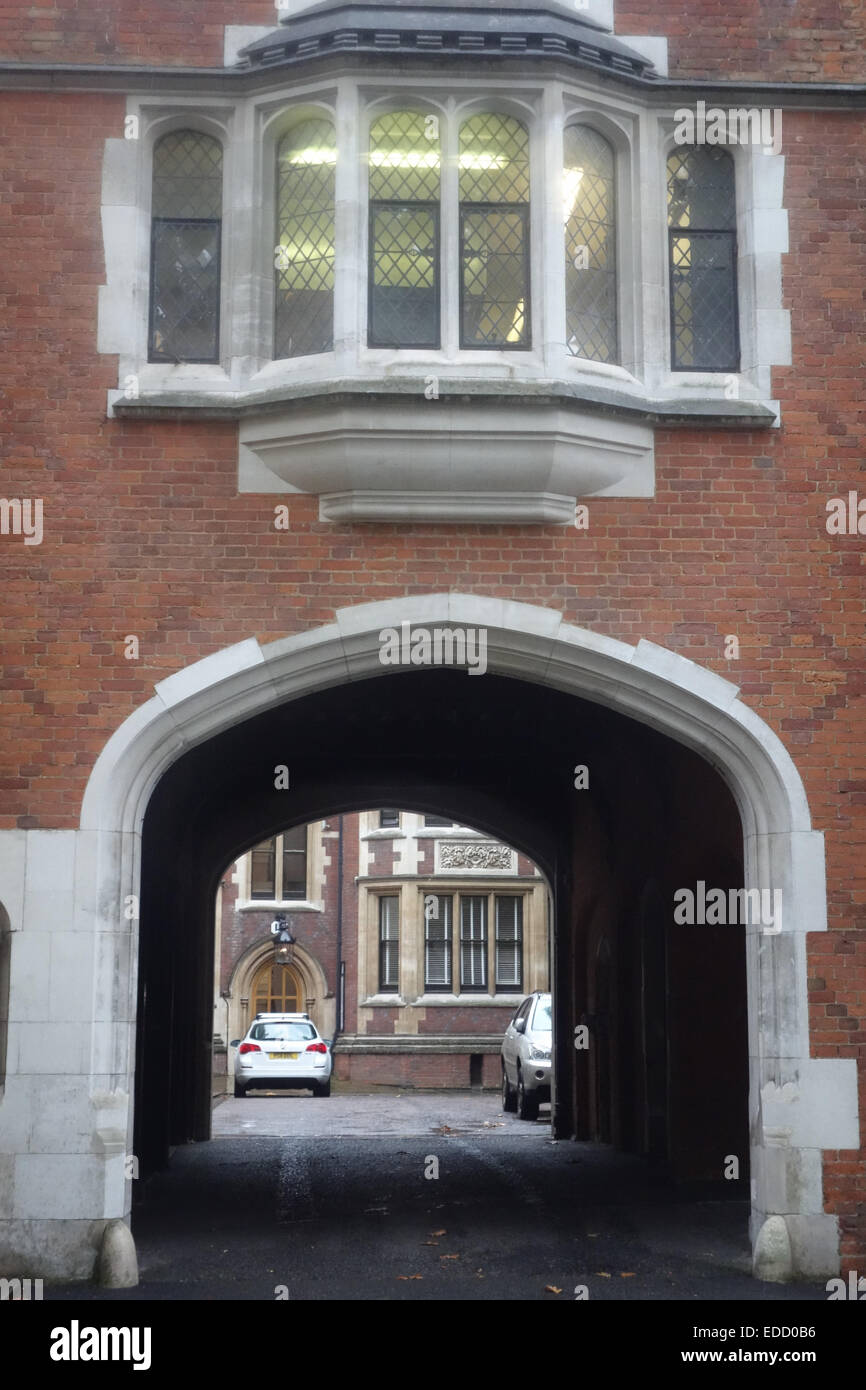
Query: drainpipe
(338, 1025)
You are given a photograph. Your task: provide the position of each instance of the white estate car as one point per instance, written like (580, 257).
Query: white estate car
(526, 1051)
(283, 1050)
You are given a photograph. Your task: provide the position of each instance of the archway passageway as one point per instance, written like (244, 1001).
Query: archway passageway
(671, 1010)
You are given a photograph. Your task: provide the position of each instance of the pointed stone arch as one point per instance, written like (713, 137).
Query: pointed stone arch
(798, 1105)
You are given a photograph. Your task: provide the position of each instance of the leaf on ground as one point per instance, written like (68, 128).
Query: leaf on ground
(602, 1274)
(410, 1276)
(449, 1257)
(626, 1274)
(443, 1129)
(438, 1233)
(551, 1288)
(429, 1242)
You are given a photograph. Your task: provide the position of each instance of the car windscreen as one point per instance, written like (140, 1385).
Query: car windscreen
(541, 1022)
(282, 1032)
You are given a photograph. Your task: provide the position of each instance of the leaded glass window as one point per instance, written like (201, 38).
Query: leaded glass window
(494, 232)
(304, 251)
(590, 245)
(404, 231)
(703, 259)
(186, 214)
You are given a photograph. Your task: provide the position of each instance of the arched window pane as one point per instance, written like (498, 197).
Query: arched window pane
(494, 160)
(494, 232)
(404, 158)
(404, 231)
(589, 212)
(304, 258)
(185, 248)
(703, 260)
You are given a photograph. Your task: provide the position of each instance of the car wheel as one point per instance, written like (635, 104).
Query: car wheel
(527, 1101)
(509, 1099)
(240, 1091)
(324, 1089)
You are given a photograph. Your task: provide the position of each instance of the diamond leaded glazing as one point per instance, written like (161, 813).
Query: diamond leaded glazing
(703, 259)
(494, 232)
(187, 176)
(404, 231)
(590, 245)
(494, 160)
(304, 253)
(186, 213)
(405, 158)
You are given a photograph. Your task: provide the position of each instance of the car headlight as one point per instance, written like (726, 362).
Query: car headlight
(539, 1054)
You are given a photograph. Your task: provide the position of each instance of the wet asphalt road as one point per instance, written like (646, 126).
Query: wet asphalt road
(314, 1199)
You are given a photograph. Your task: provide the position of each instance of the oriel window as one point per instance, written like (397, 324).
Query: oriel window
(185, 248)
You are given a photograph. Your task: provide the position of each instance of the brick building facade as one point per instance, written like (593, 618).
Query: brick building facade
(415, 940)
(626, 483)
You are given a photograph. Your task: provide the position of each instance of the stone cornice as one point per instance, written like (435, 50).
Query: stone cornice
(597, 400)
(125, 79)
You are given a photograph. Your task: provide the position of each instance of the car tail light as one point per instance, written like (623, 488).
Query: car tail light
(316, 1047)
(249, 1047)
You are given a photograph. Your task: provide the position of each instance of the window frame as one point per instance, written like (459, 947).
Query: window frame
(456, 895)
(524, 211)
(182, 127)
(519, 899)
(448, 986)
(375, 205)
(278, 852)
(385, 942)
(579, 120)
(669, 147)
(294, 116)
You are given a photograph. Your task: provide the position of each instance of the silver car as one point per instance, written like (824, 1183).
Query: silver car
(526, 1050)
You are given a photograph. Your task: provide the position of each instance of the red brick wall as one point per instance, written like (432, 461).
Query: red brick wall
(445, 1070)
(164, 33)
(756, 40)
(820, 41)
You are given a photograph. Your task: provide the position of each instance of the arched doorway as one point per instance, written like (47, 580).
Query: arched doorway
(276, 989)
(691, 707)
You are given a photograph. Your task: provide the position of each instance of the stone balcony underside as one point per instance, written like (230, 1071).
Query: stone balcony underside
(475, 452)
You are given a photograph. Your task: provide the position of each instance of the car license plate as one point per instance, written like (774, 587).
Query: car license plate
(284, 1056)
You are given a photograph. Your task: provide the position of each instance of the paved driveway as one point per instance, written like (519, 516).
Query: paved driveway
(424, 1197)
